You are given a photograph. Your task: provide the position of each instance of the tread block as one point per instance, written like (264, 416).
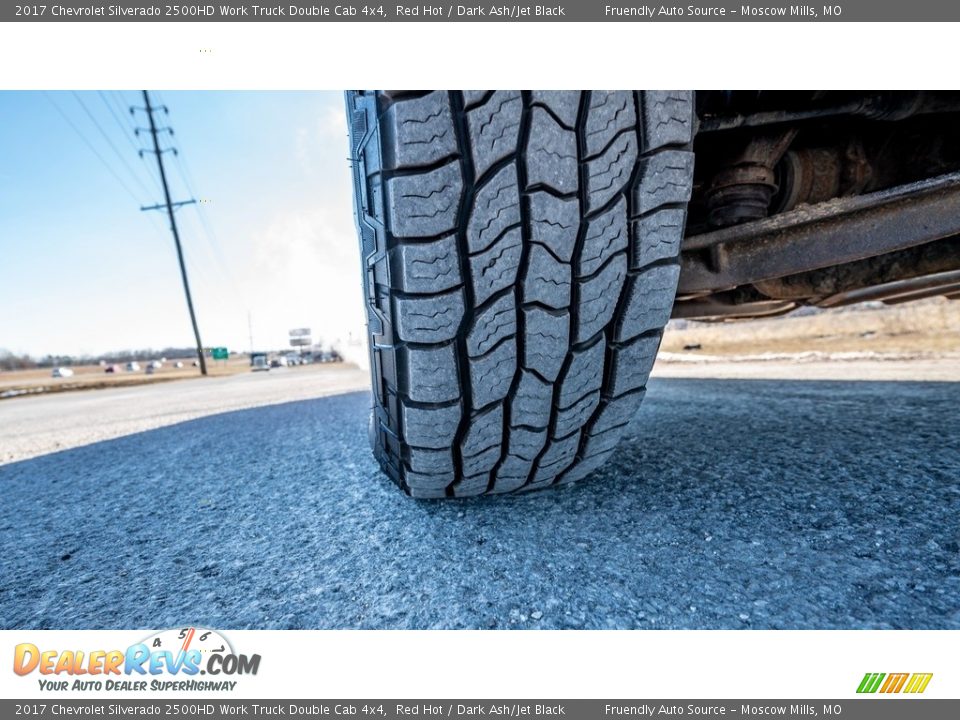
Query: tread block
(525, 443)
(482, 463)
(492, 374)
(432, 462)
(609, 172)
(429, 319)
(618, 411)
(496, 268)
(472, 97)
(547, 280)
(554, 223)
(492, 325)
(472, 486)
(557, 457)
(427, 487)
(480, 447)
(575, 417)
(430, 427)
(494, 129)
(667, 118)
(649, 301)
(531, 402)
(632, 364)
(551, 154)
(420, 131)
(602, 442)
(496, 207)
(511, 476)
(426, 267)
(606, 235)
(546, 341)
(429, 374)
(584, 373)
(608, 114)
(666, 177)
(426, 204)
(565, 104)
(585, 467)
(599, 296)
(657, 237)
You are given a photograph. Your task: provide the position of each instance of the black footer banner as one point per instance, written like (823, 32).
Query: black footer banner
(874, 708)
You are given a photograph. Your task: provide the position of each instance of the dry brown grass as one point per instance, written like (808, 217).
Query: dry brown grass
(926, 328)
(91, 377)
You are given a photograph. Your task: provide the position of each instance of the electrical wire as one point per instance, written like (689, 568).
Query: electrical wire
(86, 142)
(113, 147)
(124, 127)
(212, 240)
(124, 110)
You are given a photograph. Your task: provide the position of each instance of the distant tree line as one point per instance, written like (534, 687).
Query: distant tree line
(13, 361)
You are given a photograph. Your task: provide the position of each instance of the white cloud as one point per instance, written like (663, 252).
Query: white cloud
(310, 263)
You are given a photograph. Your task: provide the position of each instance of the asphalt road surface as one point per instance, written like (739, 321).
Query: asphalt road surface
(732, 504)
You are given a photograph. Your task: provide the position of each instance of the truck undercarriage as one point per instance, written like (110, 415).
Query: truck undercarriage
(820, 198)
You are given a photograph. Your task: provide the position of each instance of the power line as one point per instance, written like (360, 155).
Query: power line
(212, 240)
(124, 128)
(91, 147)
(123, 107)
(125, 110)
(209, 234)
(213, 255)
(113, 147)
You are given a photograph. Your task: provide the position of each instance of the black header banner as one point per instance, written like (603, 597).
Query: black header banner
(442, 11)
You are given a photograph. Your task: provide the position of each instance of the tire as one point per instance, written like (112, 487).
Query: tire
(520, 259)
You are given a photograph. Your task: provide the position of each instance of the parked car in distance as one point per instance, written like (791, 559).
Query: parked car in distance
(154, 365)
(62, 372)
(258, 361)
(133, 366)
(178, 364)
(111, 369)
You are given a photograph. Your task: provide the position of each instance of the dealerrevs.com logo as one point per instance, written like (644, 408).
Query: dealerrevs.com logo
(910, 683)
(167, 660)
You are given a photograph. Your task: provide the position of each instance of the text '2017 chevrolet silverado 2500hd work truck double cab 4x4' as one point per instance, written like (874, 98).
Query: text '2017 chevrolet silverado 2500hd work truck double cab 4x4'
(522, 251)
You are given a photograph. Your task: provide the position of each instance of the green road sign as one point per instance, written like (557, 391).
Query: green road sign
(219, 353)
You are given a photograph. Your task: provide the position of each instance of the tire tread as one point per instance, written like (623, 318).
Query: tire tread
(520, 258)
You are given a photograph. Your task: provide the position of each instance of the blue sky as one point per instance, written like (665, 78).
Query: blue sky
(83, 270)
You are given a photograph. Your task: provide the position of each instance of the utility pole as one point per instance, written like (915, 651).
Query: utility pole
(171, 206)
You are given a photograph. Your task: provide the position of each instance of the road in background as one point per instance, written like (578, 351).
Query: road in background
(730, 504)
(37, 425)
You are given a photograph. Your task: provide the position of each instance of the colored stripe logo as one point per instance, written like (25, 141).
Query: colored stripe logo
(913, 683)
